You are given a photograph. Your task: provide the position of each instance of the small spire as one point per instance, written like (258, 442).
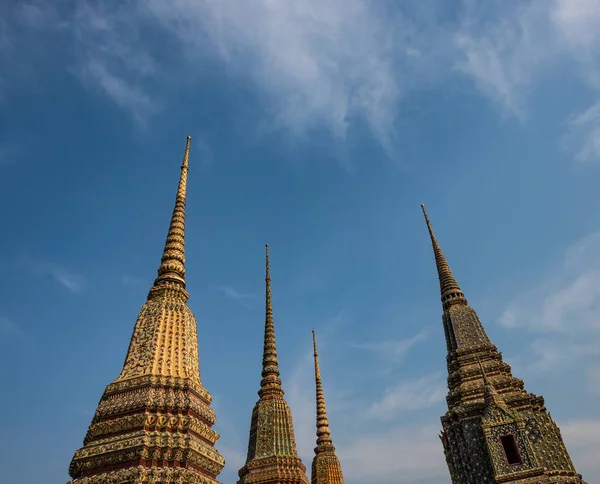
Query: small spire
(270, 371)
(490, 395)
(172, 264)
(449, 288)
(324, 440)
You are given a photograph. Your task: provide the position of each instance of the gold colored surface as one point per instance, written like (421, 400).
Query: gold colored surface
(153, 423)
(326, 467)
(272, 455)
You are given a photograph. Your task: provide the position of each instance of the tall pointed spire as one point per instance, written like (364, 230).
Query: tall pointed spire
(172, 263)
(449, 288)
(270, 363)
(323, 432)
(326, 467)
(492, 432)
(272, 454)
(154, 422)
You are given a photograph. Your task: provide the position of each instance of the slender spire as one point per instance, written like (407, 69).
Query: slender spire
(449, 288)
(270, 371)
(323, 432)
(172, 264)
(491, 396)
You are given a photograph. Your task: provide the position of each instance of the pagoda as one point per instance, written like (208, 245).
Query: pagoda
(326, 467)
(494, 430)
(272, 455)
(154, 422)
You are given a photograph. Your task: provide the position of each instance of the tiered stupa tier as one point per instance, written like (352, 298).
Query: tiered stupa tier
(494, 431)
(154, 422)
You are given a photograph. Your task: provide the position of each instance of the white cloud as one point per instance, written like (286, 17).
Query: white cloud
(315, 64)
(75, 283)
(234, 458)
(242, 298)
(593, 379)
(412, 452)
(582, 438)
(409, 395)
(563, 311)
(394, 351)
(9, 326)
(505, 56)
(568, 300)
(319, 63)
(584, 132)
(129, 280)
(322, 65)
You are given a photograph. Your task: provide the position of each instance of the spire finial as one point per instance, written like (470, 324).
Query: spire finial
(270, 370)
(172, 266)
(449, 288)
(324, 441)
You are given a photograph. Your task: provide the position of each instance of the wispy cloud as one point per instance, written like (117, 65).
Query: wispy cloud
(584, 132)
(505, 56)
(568, 300)
(130, 280)
(322, 65)
(314, 64)
(583, 441)
(71, 281)
(8, 154)
(8, 326)
(240, 297)
(563, 311)
(413, 452)
(408, 395)
(593, 379)
(393, 351)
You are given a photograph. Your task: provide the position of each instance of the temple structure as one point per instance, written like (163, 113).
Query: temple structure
(154, 422)
(494, 430)
(326, 467)
(272, 454)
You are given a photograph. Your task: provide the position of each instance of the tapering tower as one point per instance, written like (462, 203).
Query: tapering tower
(272, 455)
(154, 422)
(326, 467)
(494, 430)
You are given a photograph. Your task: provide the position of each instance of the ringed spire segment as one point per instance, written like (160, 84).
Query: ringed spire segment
(323, 432)
(270, 363)
(451, 292)
(172, 263)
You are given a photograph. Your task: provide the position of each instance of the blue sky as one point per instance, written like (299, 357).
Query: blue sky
(319, 128)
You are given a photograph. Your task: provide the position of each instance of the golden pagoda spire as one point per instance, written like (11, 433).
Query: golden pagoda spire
(154, 422)
(172, 263)
(270, 364)
(323, 432)
(449, 288)
(326, 467)
(272, 454)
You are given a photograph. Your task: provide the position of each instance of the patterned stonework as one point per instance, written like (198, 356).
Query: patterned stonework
(153, 423)
(485, 403)
(272, 455)
(326, 467)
